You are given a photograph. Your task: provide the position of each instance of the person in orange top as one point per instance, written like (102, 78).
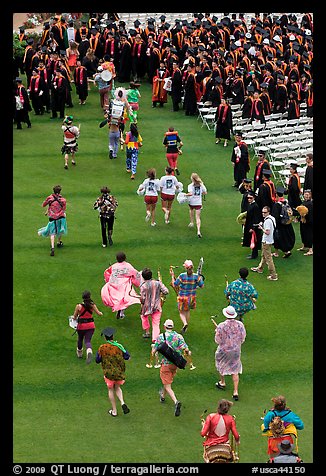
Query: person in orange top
(216, 429)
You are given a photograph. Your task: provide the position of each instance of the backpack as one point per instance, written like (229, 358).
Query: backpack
(286, 214)
(116, 113)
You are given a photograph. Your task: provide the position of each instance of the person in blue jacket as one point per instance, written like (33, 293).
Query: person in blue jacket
(280, 409)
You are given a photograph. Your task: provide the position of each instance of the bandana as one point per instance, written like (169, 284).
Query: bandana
(114, 342)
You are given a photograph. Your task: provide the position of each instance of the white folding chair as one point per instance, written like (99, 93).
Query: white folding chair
(292, 122)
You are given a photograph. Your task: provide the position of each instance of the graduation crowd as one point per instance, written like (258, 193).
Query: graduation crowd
(264, 64)
(205, 58)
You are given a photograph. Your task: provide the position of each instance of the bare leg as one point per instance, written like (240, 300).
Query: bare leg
(119, 393)
(153, 206)
(112, 400)
(235, 379)
(198, 221)
(192, 216)
(170, 392)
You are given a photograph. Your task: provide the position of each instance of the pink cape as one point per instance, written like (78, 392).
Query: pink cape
(120, 278)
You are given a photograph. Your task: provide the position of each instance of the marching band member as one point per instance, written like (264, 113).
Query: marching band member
(187, 284)
(168, 370)
(70, 146)
(119, 279)
(151, 291)
(216, 429)
(112, 356)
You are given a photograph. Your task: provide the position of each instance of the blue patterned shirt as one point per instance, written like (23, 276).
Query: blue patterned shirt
(240, 292)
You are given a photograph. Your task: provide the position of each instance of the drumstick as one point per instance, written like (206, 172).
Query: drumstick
(213, 321)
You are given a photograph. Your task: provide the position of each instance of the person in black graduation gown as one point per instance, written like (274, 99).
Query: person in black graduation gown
(248, 101)
(59, 90)
(306, 224)
(124, 71)
(266, 191)
(308, 178)
(284, 236)
(176, 86)
(293, 190)
(253, 218)
(21, 112)
(223, 122)
(240, 159)
(262, 163)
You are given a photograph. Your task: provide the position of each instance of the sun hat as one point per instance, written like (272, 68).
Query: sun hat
(285, 447)
(229, 312)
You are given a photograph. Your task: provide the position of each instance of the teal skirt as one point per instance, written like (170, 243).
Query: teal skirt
(54, 227)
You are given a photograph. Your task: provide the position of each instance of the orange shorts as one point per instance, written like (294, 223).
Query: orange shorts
(167, 373)
(111, 383)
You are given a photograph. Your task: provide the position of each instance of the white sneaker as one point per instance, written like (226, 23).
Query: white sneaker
(148, 216)
(89, 356)
(104, 246)
(167, 221)
(191, 225)
(79, 353)
(153, 224)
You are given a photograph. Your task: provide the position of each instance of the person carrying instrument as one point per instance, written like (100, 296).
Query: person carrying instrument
(241, 294)
(168, 370)
(103, 84)
(151, 291)
(187, 284)
(216, 429)
(70, 146)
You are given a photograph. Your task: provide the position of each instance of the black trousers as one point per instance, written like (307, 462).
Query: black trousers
(106, 229)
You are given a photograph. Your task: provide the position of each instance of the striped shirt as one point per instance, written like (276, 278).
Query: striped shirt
(150, 292)
(188, 284)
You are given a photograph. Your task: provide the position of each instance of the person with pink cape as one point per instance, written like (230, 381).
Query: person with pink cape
(118, 292)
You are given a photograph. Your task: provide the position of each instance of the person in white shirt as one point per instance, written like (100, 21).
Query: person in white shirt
(151, 188)
(169, 186)
(196, 190)
(267, 242)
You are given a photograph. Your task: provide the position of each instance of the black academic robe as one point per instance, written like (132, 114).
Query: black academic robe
(223, 122)
(266, 194)
(253, 218)
(124, 70)
(176, 88)
(190, 98)
(306, 227)
(293, 192)
(241, 164)
(284, 236)
(308, 179)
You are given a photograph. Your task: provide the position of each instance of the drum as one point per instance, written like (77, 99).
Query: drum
(221, 453)
(106, 75)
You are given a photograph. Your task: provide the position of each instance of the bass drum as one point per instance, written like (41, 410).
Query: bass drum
(221, 453)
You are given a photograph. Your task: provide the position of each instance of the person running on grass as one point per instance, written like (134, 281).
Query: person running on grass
(186, 287)
(112, 356)
(70, 146)
(57, 225)
(168, 370)
(196, 191)
(151, 186)
(169, 187)
(83, 314)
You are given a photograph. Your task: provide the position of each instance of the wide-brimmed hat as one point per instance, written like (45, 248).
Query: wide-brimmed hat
(229, 312)
(285, 447)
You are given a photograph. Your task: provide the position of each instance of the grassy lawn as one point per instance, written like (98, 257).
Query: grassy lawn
(60, 403)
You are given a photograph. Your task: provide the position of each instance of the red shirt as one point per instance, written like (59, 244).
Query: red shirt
(212, 431)
(57, 206)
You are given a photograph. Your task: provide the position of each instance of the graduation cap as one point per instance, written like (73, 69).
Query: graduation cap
(201, 48)
(44, 49)
(280, 191)
(261, 152)
(162, 17)
(132, 32)
(247, 180)
(108, 332)
(206, 25)
(19, 80)
(174, 51)
(200, 16)
(229, 60)
(307, 66)
(246, 46)
(294, 165)
(150, 20)
(21, 28)
(167, 26)
(62, 52)
(280, 77)
(137, 23)
(264, 85)
(218, 80)
(30, 41)
(239, 71)
(214, 18)
(237, 23)
(233, 47)
(84, 22)
(250, 88)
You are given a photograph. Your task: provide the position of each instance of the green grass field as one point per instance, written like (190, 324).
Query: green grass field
(60, 403)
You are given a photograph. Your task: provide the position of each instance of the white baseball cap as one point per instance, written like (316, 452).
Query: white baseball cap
(169, 324)
(188, 263)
